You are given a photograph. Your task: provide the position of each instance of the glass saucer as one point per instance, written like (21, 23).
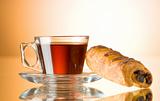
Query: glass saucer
(45, 94)
(49, 79)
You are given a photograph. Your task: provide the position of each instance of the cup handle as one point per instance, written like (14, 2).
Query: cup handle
(25, 63)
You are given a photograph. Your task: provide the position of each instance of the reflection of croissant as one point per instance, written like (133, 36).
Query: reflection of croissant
(140, 95)
(114, 66)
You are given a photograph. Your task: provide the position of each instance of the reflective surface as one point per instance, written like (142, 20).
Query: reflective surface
(13, 87)
(49, 94)
(139, 95)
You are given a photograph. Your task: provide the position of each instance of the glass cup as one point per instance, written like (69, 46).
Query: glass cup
(57, 54)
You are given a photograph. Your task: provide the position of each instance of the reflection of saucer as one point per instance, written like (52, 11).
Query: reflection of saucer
(139, 95)
(45, 94)
(60, 79)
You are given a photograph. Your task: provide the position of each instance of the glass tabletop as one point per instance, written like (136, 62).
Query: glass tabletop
(14, 88)
(83, 93)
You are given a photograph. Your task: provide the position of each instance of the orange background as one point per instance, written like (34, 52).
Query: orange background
(130, 26)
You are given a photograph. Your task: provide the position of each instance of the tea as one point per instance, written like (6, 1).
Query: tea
(62, 58)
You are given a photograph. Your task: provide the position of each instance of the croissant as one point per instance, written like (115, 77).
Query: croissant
(139, 95)
(115, 67)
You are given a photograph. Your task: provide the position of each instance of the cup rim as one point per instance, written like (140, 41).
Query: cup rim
(62, 39)
(85, 36)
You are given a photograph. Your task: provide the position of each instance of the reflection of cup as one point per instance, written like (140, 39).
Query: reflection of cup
(71, 94)
(57, 54)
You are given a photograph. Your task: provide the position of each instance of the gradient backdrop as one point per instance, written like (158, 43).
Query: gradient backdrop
(130, 26)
